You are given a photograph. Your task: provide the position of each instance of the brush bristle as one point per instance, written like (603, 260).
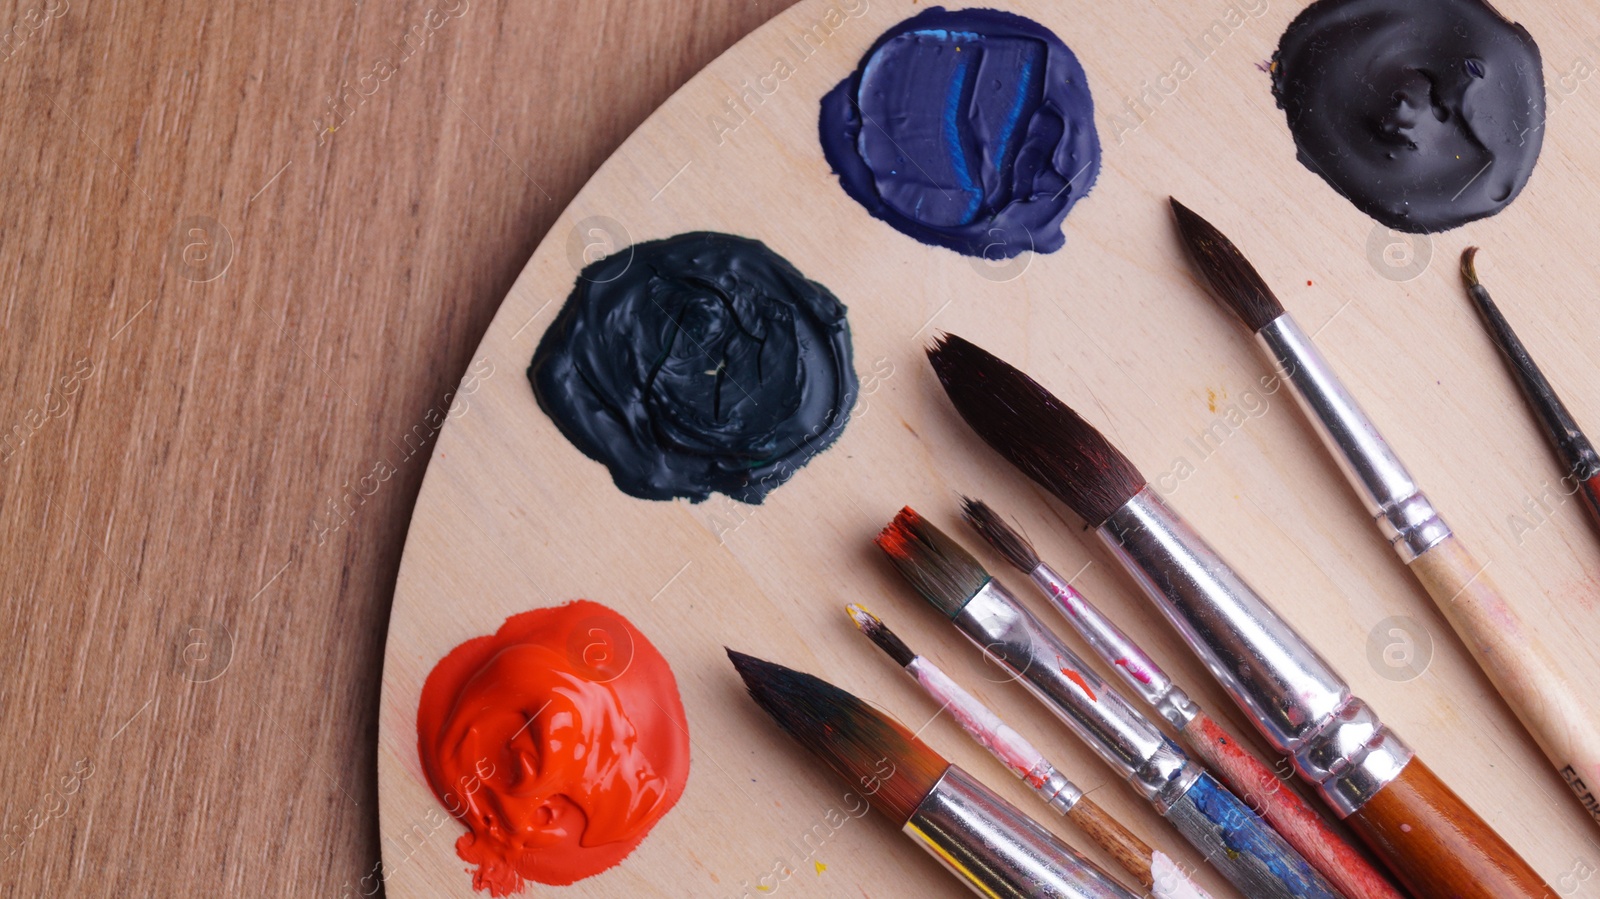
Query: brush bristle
(1231, 276)
(877, 757)
(879, 633)
(1469, 267)
(1037, 432)
(1002, 536)
(937, 567)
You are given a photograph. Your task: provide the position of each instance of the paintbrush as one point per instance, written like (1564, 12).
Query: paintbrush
(985, 841)
(1571, 446)
(1221, 751)
(1559, 716)
(1233, 839)
(1432, 841)
(1022, 759)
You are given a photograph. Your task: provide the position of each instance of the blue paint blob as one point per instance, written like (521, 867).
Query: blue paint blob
(1255, 858)
(972, 130)
(703, 362)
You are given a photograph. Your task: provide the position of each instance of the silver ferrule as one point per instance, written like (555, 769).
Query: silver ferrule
(999, 851)
(1295, 699)
(1126, 658)
(1054, 788)
(1403, 513)
(1130, 743)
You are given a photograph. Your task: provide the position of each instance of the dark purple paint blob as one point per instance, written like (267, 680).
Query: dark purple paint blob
(703, 362)
(972, 130)
(1426, 114)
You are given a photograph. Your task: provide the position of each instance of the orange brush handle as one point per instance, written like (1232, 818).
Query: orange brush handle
(1440, 848)
(1299, 825)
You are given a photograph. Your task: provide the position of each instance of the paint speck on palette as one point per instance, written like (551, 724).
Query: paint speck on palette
(578, 695)
(970, 129)
(696, 364)
(1425, 114)
(820, 867)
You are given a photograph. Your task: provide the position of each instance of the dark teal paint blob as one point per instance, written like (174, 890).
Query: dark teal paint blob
(972, 130)
(696, 364)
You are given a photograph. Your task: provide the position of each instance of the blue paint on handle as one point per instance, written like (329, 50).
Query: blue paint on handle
(1244, 847)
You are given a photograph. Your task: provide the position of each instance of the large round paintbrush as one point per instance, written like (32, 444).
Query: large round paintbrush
(1431, 840)
(1233, 839)
(996, 850)
(1564, 720)
(1219, 749)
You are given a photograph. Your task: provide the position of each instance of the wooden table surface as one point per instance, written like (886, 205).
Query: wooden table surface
(247, 250)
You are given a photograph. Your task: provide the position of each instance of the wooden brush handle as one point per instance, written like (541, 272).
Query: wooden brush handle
(1561, 718)
(1440, 848)
(1132, 853)
(1300, 826)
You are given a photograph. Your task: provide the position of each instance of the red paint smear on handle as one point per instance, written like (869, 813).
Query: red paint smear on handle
(1300, 825)
(559, 741)
(1083, 685)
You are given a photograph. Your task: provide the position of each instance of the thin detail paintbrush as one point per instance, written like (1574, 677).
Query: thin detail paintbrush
(1431, 840)
(985, 841)
(1561, 718)
(1576, 454)
(1233, 839)
(1027, 763)
(1220, 750)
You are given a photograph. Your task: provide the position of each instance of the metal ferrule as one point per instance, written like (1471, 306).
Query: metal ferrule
(999, 851)
(1132, 745)
(1054, 788)
(1403, 513)
(1138, 671)
(1295, 699)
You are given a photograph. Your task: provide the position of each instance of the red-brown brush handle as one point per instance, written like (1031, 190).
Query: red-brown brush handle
(1295, 821)
(1440, 848)
(1591, 498)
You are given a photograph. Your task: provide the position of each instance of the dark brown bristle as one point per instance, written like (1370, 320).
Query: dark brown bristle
(1003, 537)
(879, 633)
(937, 567)
(1037, 432)
(1231, 276)
(877, 757)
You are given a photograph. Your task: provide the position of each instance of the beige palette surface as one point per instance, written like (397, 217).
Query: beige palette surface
(512, 517)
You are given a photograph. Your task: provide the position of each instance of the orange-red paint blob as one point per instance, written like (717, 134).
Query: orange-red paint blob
(559, 741)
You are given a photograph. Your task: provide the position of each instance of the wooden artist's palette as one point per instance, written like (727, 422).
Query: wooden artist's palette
(513, 517)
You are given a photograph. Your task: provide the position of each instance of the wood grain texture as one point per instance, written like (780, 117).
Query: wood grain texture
(1440, 848)
(511, 516)
(1563, 717)
(192, 675)
(1131, 853)
(1301, 826)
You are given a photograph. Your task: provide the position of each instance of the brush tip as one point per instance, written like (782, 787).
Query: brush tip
(858, 742)
(878, 632)
(1035, 431)
(999, 533)
(1469, 268)
(936, 566)
(1231, 276)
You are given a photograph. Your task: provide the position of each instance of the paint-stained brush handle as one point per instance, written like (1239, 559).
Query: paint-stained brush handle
(1438, 846)
(1130, 852)
(1565, 724)
(1296, 821)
